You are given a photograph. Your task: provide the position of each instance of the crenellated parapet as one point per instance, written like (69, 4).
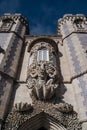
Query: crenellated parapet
(10, 20)
(72, 23)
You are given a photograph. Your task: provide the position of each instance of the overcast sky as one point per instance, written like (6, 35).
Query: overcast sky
(43, 14)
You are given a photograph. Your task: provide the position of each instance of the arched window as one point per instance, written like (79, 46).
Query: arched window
(43, 54)
(79, 23)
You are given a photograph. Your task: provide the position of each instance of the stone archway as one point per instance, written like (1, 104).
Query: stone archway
(41, 121)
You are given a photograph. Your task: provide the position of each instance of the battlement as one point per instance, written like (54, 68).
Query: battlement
(73, 23)
(14, 17)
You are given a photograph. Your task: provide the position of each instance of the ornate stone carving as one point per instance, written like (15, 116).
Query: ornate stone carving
(20, 107)
(43, 76)
(64, 107)
(42, 79)
(68, 120)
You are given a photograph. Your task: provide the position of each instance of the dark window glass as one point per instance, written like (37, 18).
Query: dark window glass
(79, 23)
(6, 25)
(42, 128)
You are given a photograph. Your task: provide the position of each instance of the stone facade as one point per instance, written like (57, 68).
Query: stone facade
(43, 79)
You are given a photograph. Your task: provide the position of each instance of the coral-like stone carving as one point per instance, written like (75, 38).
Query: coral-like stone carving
(64, 107)
(20, 107)
(67, 119)
(42, 79)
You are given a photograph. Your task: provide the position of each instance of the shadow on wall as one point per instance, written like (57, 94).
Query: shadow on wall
(60, 92)
(62, 88)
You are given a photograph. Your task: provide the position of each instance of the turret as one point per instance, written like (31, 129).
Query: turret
(12, 31)
(12, 38)
(73, 29)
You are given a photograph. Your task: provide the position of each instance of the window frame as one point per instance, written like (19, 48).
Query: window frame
(43, 54)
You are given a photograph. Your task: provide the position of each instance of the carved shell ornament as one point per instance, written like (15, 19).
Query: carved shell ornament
(20, 107)
(64, 107)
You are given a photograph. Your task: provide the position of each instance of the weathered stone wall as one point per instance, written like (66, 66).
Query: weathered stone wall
(10, 60)
(5, 93)
(74, 65)
(4, 42)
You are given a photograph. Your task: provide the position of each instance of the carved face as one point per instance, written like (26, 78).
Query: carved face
(33, 71)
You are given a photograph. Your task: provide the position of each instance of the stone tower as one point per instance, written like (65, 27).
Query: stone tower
(12, 31)
(43, 79)
(74, 36)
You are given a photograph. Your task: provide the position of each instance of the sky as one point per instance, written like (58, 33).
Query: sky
(43, 15)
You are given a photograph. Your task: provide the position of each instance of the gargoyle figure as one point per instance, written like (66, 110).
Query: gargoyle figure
(42, 79)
